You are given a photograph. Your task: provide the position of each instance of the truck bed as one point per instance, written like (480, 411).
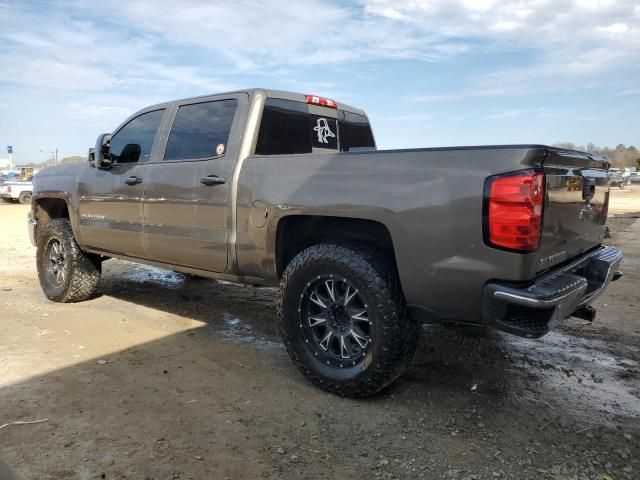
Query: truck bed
(431, 201)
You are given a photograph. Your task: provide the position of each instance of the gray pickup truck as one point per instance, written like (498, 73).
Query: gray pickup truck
(275, 188)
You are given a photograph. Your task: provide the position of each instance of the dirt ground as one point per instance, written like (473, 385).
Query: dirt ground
(163, 377)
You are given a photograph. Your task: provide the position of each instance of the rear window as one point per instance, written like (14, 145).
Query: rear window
(355, 131)
(200, 129)
(287, 127)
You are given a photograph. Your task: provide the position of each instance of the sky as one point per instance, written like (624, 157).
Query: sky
(428, 72)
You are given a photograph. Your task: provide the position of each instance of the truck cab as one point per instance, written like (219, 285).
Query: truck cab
(172, 167)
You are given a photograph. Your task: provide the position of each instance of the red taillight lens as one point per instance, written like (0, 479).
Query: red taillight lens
(514, 210)
(323, 102)
(8, 188)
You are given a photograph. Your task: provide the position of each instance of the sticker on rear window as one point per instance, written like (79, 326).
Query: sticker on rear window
(324, 132)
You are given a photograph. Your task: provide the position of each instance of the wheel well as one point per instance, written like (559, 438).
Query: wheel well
(297, 232)
(50, 208)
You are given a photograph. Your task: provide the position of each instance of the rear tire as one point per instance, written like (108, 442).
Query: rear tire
(66, 273)
(25, 198)
(371, 339)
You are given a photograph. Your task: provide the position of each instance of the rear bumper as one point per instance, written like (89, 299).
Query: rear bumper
(531, 310)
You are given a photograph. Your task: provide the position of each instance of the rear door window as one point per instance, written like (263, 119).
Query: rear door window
(201, 130)
(133, 142)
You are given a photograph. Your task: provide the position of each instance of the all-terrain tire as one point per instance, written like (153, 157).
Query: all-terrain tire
(395, 336)
(25, 198)
(81, 270)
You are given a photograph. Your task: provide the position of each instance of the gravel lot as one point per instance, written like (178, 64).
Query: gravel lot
(163, 377)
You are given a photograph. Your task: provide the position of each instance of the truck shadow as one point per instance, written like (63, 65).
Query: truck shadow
(223, 399)
(569, 374)
(247, 314)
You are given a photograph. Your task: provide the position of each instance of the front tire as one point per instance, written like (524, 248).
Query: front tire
(343, 319)
(66, 273)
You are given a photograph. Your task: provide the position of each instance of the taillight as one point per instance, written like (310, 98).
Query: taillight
(323, 102)
(8, 188)
(513, 210)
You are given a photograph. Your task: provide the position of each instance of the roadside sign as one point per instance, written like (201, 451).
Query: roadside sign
(9, 149)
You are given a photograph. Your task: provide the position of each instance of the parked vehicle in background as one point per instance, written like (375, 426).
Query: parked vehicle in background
(634, 177)
(616, 178)
(9, 175)
(277, 188)
(16, 191)
(27, 172)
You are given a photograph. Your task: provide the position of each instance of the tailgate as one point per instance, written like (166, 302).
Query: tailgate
(575, 211)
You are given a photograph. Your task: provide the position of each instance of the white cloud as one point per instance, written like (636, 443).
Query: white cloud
(615, 28)
(525, 112)
(123, 45)
(54, 50)
(574, 43)
(100, 111)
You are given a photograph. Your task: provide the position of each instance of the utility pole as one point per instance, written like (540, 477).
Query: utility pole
(42, 158)
(56, 156)
(10, 152)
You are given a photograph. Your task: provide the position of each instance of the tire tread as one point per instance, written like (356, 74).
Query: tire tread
(401, 335)
(84, 269)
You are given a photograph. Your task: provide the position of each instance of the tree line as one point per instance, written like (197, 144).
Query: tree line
(621, 156)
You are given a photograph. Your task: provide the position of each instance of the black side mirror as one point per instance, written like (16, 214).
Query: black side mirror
(91, 157)
(102, 152)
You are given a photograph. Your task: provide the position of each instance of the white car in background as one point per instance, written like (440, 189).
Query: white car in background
(16, 190)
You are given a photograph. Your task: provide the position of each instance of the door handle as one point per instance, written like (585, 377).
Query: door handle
(133, 180)
(213, 180)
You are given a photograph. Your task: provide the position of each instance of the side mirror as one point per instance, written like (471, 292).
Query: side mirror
(91, 157)
(102, 152)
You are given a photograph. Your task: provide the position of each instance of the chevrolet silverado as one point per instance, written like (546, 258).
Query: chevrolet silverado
(276, 188)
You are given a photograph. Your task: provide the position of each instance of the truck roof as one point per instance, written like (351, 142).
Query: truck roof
(297, 97)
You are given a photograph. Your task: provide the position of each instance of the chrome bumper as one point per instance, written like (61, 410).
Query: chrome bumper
(531, 310)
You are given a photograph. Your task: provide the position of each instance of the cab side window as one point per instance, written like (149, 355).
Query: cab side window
(285, 128)
(201, 130)
(133, 142)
